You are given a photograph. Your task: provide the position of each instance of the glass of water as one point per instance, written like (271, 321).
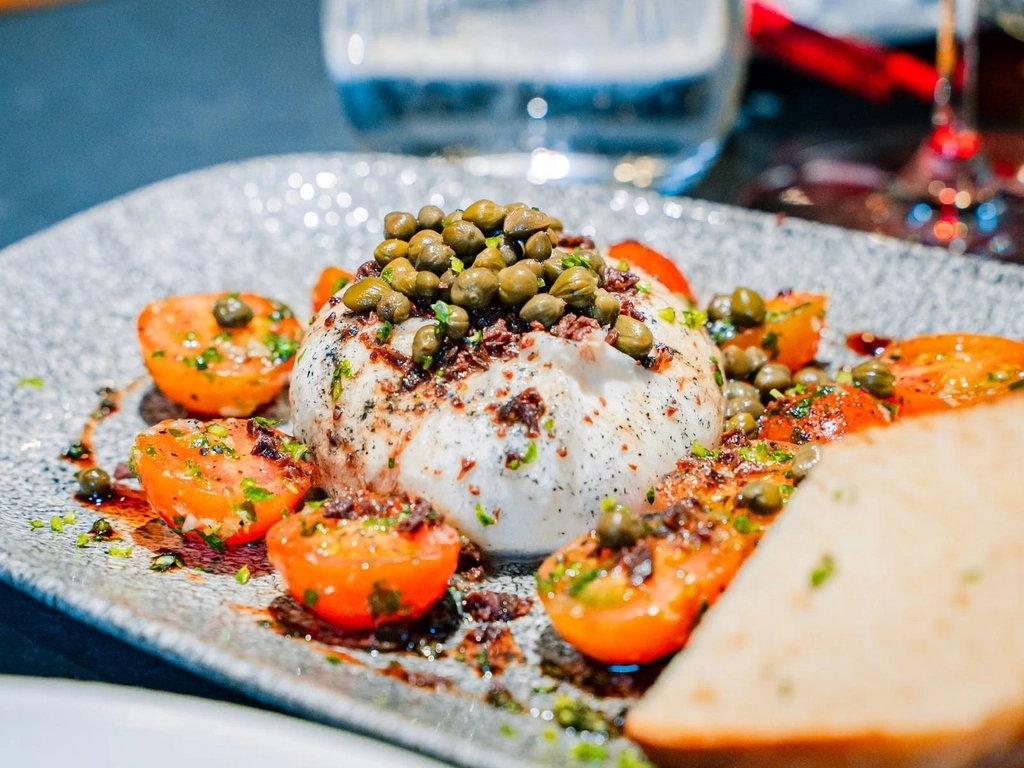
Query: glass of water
(636, 91)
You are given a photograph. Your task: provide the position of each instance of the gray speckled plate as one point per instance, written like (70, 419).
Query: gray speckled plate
(70, 296)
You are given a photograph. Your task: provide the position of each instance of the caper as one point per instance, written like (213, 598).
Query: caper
(538, 246)
(514, 206)
(556, 224)
(741, 422)
(465, 239)
(427, 285)
(232, 312)
(363, 296)
(633, 337)
(544, 309)
(534, 266)
(390, 250)
(742, 363)
(430, 218)
(810, 377)
(773, 376)
(394, 307)
(523, 222)
(490, 258)
(720, 307)
(487, 215)
(747, 307)
(553, 267)
(475, 288)
(577, 286)
(404, 280)
(618, 528)
(399, 225)
(458, 323)
(594, 260)
(804, 459)
(511, 250)
(605, 308)
(760, 497)
(516, 284)
(420, 239)
(434, 257)
(874, 377)
(426, 344)
(452, 217)
(744, 404)
(94, 483)
(735, 388)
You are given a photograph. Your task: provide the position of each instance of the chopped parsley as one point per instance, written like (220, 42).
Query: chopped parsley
(761, 453)
(294, 448)
(643, 286)
(694, 318)
(699, 450)
(823, 570)
(263, 421)
(122, 552)
(1018, 384)
(482, 515)
(383, 602)
(31, 381)
(456, 265)
(742, 524)
(338, 284)
(631, 758)
(204, 359)
(384, 332)
(333, 660)
(668, 314)
(717, 373)
(506, 730)
(36, 524)
(217, 430)
(82, 540)
(56, 524)
(253, 492)
(242, 575)
(587, 752)
(166, 561)
(281, 312)
(281, 348)
(310, 597)
(442, 312)
(650, 495)
(770, 344)
(475, 337)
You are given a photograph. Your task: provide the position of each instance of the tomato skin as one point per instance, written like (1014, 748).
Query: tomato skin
(331, 280)
(211, 486)
(792, 331)
(821, 414)
(361, 573)
(655, 264)
(941, 371)
(212, 370)
(597, 604)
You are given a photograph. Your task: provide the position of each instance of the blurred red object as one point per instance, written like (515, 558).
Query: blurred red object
(865, 69)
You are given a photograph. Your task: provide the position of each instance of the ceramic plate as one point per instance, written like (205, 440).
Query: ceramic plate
(108, 726)
(70, 296)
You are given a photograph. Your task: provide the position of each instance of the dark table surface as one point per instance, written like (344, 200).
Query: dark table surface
(100, 98)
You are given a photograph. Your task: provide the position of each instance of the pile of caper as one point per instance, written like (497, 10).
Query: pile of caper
(753, 381)
(485, 256)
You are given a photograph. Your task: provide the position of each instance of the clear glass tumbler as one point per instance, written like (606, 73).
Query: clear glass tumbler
(638, 91)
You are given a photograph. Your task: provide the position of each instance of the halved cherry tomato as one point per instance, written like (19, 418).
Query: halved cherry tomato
(213, 370)
(941, 371)
(791, 331)
(653, 263)
(331, 280)
(639, 603)
(822, 414)
(361, 572)
(223, 482)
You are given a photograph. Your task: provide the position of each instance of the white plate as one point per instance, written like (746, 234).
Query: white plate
(49, 723)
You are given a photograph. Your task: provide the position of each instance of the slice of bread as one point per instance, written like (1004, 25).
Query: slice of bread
(879, 623)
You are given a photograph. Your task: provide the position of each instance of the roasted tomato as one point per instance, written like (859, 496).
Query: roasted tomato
(940, 371)
(632, 591)
(820, 414)
(219, 354)
(223, 482)
(655, 264)
(365, 560)
(331, 280)
(790, 333)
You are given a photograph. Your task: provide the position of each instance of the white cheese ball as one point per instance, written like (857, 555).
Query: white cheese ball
(609, 427)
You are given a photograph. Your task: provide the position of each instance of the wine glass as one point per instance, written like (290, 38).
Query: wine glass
(946, 194)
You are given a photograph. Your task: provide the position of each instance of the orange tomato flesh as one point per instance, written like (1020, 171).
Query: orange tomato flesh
(331, 280)
(822, 414)
(599, 606)
(213, 370)
(361, 573)
(940, 371)
(791, 332)
(655, 264)
(205, 481)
